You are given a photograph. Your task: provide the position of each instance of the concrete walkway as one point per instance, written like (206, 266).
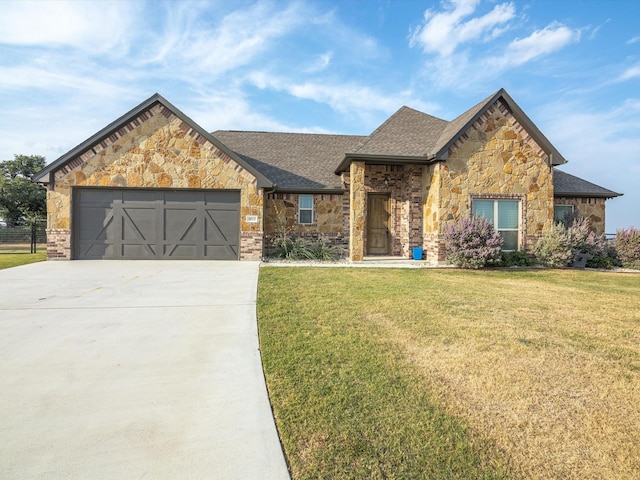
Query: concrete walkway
(114, 370)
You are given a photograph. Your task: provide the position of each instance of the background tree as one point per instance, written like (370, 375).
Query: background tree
(21, 200)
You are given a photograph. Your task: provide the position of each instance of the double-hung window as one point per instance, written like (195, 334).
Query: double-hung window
(305, 208)
(505, 216)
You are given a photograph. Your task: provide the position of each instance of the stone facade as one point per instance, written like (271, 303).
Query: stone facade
(281, 214)
(497, 159)
(357, 207)
(155, 150)
(590, 208)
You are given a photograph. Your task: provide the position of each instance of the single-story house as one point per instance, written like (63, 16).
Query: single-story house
(155, 185)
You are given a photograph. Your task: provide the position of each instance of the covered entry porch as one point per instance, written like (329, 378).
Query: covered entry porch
(386, 214)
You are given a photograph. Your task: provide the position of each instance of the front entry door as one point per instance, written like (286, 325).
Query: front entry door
(378, 224)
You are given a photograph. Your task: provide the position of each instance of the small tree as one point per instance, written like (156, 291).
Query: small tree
(20, 198)
(628, 247)
(473, 243)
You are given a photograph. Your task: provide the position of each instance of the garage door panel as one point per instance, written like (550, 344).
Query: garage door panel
(141, 251)
(100, 220)
(156, 224)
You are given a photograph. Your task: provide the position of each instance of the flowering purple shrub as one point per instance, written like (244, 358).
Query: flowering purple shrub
(559, 246)
(628, 247)
(473, 243)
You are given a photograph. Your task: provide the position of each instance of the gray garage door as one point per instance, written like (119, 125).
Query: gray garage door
(158, 224)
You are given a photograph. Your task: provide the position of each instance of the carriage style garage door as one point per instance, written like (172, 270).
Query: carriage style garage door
(137, 224)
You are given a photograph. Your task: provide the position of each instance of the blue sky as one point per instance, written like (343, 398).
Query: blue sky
(67, 69)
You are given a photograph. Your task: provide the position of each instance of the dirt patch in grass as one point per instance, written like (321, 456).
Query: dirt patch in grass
(542, 368)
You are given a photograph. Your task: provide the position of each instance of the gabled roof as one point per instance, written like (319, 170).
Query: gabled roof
(292, 161)
(567, 185)
(410, 135)
(115, 128)
(406, 133)
(461, 124)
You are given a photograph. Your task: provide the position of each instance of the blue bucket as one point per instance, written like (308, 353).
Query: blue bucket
(417, 253)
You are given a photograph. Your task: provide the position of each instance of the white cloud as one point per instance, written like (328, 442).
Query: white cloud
(239, 38)
(443, 32)
(30, 77)
(451, 39)
(81, 25)
(632, 40)
(541, 42)
(629, 73)
(320, 63)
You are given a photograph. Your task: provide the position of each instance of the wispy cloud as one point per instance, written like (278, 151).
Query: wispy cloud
(79, 25)
(459, 42)
(320, 63)
(541, 42)
(632, 40)
(629, 73)
(443, 32)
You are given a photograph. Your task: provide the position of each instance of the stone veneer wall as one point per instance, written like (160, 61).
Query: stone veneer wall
(357, 207)
(591, 208)
(156, 149)
(329, 222)
(494, 158)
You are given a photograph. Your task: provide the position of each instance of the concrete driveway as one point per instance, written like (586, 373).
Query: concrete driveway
(133, 370)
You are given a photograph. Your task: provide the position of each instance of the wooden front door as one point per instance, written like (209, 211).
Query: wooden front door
(378, 215)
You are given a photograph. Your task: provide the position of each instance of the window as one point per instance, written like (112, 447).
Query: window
(305, 213)
(505, 216)
(562, 214)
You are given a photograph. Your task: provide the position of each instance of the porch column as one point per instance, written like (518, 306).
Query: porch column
(356, 211)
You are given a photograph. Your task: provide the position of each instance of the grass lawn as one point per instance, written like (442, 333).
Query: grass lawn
(445, 374)
(8, 260)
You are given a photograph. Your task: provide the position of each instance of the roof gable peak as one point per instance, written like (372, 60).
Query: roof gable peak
(121, 127)
(458, 126)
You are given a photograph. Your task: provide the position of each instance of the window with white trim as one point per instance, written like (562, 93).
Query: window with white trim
(505, 216)
(305, 208)
(562, 213)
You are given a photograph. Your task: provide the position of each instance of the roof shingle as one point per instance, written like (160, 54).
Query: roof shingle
(406, 133)
(567, 185)
(292, 160)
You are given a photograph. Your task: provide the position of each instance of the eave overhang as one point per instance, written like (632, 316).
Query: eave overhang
(587, 195)
(372, 159)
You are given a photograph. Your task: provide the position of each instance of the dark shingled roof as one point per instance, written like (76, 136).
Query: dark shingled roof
(292, 161)
(566, 185)
(406, 133)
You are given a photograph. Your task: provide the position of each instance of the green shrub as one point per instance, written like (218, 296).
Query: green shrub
(300, 248)
(628, 247)
(473, 243)
(553, 249)
(516, 259)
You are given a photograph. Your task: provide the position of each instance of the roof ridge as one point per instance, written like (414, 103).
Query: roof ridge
(289, 133)
(389, 119)
(368, 137)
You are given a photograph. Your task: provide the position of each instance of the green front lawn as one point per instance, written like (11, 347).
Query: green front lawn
(390, 373)
(8, 260)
